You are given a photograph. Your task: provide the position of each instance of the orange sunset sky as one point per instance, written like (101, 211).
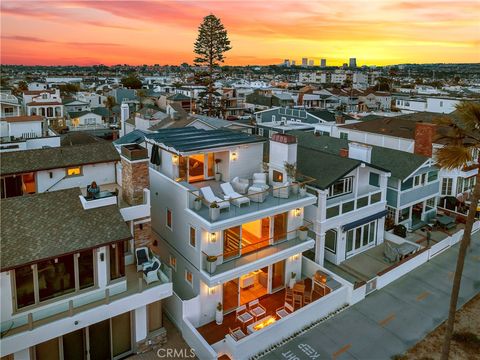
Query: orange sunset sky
(262, 32)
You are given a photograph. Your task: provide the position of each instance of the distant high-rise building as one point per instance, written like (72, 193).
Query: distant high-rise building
(323, 62)
(310, 62)
(345, 65)
(353, 62)
(304, 61)
(286, 62)
(293, 63)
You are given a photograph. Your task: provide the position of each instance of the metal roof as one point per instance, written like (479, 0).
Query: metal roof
(189, 139)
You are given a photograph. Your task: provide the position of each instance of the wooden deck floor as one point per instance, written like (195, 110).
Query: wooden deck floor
(213, 333)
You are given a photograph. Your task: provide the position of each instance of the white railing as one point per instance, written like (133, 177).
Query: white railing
(138, 211)
(95, 203)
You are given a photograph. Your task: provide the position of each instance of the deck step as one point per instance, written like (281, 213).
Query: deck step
(354, 272)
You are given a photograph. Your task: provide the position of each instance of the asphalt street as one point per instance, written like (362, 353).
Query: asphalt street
(391, 320)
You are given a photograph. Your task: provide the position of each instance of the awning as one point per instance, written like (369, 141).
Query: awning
(365, 220)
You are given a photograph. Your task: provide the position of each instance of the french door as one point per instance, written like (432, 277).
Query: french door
(361, 238)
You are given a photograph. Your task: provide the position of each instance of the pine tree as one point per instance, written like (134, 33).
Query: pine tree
(211, 44)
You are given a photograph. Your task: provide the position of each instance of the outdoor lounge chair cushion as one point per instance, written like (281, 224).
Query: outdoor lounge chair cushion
(155, 266)
(240, 185)
(235, 197)
(142, 256)
(260, 178)
(210, 197)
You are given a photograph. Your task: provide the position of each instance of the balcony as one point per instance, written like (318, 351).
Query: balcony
(254, 203)
(341, 205)
(93, 299)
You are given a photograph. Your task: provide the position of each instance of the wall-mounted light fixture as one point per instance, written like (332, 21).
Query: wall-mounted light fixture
(234, 156)
(213, 237)
(211, 290)
(298, 212)
(175, 159)
(296, 257)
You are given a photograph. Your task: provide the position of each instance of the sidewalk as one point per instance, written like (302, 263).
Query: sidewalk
(391, 320)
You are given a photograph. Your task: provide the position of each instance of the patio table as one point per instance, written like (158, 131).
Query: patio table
(445, 220)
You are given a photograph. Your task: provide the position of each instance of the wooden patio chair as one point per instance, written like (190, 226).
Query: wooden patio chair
(297, 300)
(298, 289)
(256, 309)
(236, 333)
(289, 295)
(285, 310)
(307, 297)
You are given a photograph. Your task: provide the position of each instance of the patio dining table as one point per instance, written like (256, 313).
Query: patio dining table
(445, 220)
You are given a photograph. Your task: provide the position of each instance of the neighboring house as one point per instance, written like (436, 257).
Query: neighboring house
(49, 169)
(232, 105)
(84, 120)
(144, 119)
(414, 133)
(413, 187)
(9, 105)
(248, 253)
(349, 215)
(75, 105)
(35, 86)
(375, 100)
(93, 99)
(211, 123)
(25, 133)
(46, 103)
(69, 284)
(265, 99)
(438, 105)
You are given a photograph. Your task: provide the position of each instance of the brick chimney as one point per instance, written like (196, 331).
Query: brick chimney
(344, 152)
(339, 118)
(134, 173)
(424, 137)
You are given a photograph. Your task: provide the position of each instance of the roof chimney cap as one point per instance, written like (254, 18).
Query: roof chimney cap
(284, 138)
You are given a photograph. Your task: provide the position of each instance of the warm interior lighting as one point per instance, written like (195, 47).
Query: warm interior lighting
(213, 237)
(175, 159)
(74, 171)
(298, 212)
(234, 156)
(264, 323)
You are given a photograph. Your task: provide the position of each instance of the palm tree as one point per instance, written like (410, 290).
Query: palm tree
(109, 104)
(462, 143)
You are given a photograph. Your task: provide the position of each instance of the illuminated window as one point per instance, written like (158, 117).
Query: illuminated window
(173, 262)
(193, 236)
(74, 171)
(169, 219)
(189, 277)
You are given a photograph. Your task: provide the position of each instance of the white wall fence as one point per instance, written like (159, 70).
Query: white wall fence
(285, 327)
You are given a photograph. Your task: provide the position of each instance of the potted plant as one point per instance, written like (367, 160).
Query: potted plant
(302, 190)
(291, 170)
(197, 203)
(219, 314)
(302, 233)
(214, 211)
(211, 263)
(293, 280)
(218, 175)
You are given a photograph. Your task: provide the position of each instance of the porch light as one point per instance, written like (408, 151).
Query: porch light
(298, 212)
(213, 237)
(175, 159)
(211, 290)
(234, 156)
(296, 257)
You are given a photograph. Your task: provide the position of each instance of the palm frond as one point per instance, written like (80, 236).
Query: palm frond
(454, 156)
(469, 115)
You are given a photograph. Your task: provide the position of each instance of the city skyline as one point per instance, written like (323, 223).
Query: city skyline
(163, 32)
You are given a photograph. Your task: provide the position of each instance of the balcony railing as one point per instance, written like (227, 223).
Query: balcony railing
(258, 200)
(348, 205)
(79, 303)
(231, 259)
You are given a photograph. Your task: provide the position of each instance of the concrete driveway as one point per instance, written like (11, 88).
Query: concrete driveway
(393, 319)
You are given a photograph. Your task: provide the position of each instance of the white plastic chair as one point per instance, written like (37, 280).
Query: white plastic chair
(235, 197)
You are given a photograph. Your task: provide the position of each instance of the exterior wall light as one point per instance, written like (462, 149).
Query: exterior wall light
(234, 156)
(213, 237)
(298, 212)
(175, 159)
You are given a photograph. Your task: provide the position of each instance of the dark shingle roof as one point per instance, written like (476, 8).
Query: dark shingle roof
(17, 162)
(400, 164)
(327, 115)
(133, 137)
(51, 224)
(75, 114)
(191, 139)
(178, 97)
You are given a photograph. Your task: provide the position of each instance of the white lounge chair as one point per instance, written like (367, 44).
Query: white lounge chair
(240, 185)
(235, 197)
(282, 190)
(210, 197)
(259, 179)
(142, 255)
(150, 271)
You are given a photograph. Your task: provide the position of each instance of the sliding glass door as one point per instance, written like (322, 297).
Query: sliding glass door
(278, 275)
(361, 238)
(231, 295)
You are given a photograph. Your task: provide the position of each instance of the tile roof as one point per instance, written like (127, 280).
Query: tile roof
(23, 118)
(51, 224)
(38, 92)
(16, 162)
(189, 139)
(33, 103)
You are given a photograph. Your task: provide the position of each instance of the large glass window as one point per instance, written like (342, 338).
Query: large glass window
(331, 241)
(408, 184)
(86, 272)
(361, 237)
(56, 277)
(374, 179)
(117, 261)
(340, 187)
(447, 186)
(24, 286)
